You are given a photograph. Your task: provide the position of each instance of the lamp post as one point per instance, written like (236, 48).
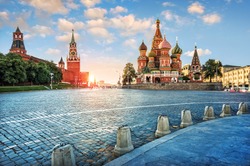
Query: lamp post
(51, 79)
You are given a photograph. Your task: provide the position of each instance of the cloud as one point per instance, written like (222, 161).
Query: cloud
(65, 25)
(95, 13)
(52, 51)
(90, 3)
(200, 51)
(196, 7)
(167, 4)
(97, 23)
(211, 18)
(67, 37)
(4, 15)
(50, 6)
(70, 4)
(43, 31)
(130, 43)
(169, 16)
(129, 25)
(101, 33)
(118, 9)
(27, 36)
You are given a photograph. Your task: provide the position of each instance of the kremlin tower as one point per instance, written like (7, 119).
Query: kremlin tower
(18, 44)
(72, 74)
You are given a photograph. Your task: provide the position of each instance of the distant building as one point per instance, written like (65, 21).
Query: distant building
(72, 74)
(18, 47)
(159, 66)
(185, 70)
(223, 69)
(195, 74)
(236, 77)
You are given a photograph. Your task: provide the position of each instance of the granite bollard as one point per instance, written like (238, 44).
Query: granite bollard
(123, 141)
(162, 126)
(226, 110)
(62, 155)
(208, 113)
(186, 118)
(243, 108)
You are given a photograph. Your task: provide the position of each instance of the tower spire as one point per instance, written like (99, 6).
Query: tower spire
(72, 38)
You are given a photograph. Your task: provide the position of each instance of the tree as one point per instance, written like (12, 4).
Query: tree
(128, 74)
(31, 71)
(56, 71)
(43, 74)
(12, 70)
(212, 69)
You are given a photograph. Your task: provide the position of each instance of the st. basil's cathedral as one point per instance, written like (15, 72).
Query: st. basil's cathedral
(159, 66)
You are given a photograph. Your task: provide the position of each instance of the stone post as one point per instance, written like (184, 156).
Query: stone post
(186, 118)
(226, 110)
(62, 155)
(123, 141)
(243, 108)
(162, 126)
(208, 113)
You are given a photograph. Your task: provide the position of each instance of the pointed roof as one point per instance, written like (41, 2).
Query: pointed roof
(164, 43)
(17, 29)
(72, 38)
(158, 31)
(142, 46)
(61, 61)
(195, 60)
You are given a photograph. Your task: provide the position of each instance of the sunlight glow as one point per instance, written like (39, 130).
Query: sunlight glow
(91, 78)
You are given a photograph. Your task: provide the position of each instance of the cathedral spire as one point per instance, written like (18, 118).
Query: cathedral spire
(195, 60)
(157, 37)
(158, 31)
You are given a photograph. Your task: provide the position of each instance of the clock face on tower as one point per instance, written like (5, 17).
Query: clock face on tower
(73, 53)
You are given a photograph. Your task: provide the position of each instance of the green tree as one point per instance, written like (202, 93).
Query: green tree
(128, 74)
(12, 70)
(43, 74)
(56, 71)
(212, 69)
(31, 71)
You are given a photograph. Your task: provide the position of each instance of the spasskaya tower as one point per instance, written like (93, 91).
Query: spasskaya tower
(73, 61)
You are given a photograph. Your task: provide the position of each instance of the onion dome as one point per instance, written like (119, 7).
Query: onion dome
(164, 44)
(173, 56)
(152, 54)
(61, 61)
(142, 46)
(176, 49)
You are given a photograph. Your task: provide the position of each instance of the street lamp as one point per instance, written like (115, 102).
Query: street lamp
(51, 79)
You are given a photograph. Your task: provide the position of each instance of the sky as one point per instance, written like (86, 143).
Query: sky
(109, 32)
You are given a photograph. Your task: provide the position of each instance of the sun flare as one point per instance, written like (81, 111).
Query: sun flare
(91, 78)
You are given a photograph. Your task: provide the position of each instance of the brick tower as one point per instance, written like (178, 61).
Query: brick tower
(73, 61)
(18, 44)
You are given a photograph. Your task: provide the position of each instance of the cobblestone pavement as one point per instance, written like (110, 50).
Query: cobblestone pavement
(32, 123)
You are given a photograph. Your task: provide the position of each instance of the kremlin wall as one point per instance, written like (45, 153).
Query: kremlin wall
(71, 74)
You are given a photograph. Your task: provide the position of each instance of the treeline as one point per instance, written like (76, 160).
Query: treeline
(14, 70)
